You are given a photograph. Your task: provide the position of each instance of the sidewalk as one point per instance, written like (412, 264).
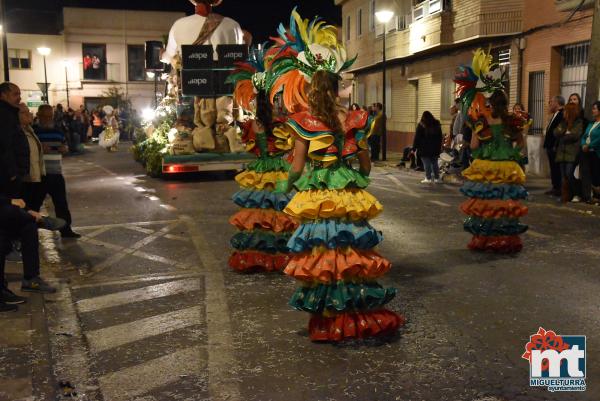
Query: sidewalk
(25, 358)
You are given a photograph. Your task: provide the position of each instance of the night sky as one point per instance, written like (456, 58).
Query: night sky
(259, 17)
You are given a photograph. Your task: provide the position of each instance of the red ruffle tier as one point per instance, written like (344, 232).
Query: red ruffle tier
(356, 325)
(500, 244)
(255, 261)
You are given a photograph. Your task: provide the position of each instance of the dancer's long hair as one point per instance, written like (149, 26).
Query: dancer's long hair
(499, 104)
(264, 110)
(322, 99)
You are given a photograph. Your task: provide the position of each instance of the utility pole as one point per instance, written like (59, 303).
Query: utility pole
(4, 34)
(593, 77)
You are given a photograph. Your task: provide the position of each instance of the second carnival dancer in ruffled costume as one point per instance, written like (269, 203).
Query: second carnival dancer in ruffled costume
(261, 244)
(333, 257)
(494, 181)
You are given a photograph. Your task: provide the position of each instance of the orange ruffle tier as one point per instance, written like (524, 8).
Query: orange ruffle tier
(331, 265)
(500, 244)
(266, 219)
(493, 209)
(357, 325)
(253, 261)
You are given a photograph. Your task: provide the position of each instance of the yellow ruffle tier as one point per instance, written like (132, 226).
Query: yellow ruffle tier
(354, 204)
(261, 181)
(495, 172)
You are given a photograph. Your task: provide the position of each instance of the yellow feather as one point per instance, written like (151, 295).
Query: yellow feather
(302, 26)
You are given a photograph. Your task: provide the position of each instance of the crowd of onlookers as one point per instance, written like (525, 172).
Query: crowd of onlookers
(31, 151)
(571, 142)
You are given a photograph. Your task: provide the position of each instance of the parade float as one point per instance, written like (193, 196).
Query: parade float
(196, 125)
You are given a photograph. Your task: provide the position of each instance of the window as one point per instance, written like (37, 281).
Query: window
(19, 59)
(501, 56)
(435, 6)
(448, 94)
(348, 19)
(423, 8)
(536, 101)
(94, 61)
(136, 59)
(372, 16)
(359, 23)
(574, 72)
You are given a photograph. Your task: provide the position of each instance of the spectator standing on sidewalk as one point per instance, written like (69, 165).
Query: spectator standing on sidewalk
(53, 141)
(78, 128)
(32, 182)
(377, 131)
(97, 125)
(556, 105)
(568, 136)
(590, 158)
(15, 161)
(428, 145)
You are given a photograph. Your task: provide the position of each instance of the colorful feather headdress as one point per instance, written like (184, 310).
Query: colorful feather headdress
(483, 77)
(302, 49)
(250, 77)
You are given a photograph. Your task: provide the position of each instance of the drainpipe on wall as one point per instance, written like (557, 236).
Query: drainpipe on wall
(522, 44)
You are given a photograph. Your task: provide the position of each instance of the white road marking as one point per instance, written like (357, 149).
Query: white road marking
(129, 383)
(223, 366)
(134, 224)
(168, 207)
(439, 203)
(126, 333)
(137, 295)
(406, 190)
(134, 279)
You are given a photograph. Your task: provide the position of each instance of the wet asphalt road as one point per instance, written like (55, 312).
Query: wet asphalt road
(152, 312)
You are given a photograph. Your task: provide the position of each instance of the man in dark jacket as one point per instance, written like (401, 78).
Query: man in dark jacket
(555, 107)
(14, 156)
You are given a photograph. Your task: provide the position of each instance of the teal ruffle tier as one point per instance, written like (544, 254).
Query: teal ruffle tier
(341, 296)
(494, 227)
(258, 240)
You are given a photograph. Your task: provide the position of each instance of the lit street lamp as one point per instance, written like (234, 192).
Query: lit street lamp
(45, 51)
(67, 64)
(384, 16)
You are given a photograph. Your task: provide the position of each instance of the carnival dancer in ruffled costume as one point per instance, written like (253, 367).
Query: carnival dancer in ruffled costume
(109, 138)
(494, 181)
(333, 257)
(261, 244)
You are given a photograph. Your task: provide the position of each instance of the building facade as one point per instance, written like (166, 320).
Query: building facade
(428, 39)
(95, 50)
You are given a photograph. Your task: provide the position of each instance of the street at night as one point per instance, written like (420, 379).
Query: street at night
(147, 308)
(341, 200)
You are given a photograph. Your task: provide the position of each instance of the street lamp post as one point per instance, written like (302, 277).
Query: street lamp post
(45, 51)
(384, 16)
(154, 75)
(67, 63)
(4, 39)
